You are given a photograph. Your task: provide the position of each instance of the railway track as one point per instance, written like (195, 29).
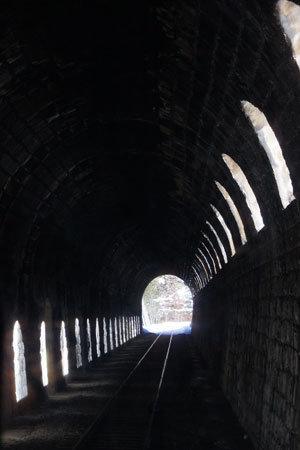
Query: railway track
(126, 420)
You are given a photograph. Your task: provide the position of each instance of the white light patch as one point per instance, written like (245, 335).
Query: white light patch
(210, 255)
(215, 252)
(240, 178)
(120, 331)
(111, 341)
(201, 283)
(289, 14)
(135, 326)
(208, 265)
(201, 277)
(226, 229)
(234, 211)
(116, 333)
(19, 363)
(43, 353)
(98, 348)
(124, 329)
(89, 340)
(64, 349)
(273, 151)
(78, 344)
(204, 268)
(204, 276)
(219, 242)
(127, 329)
(131, 322)
(105, 336)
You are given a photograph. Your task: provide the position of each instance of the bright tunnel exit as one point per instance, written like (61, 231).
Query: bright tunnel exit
(167, 306)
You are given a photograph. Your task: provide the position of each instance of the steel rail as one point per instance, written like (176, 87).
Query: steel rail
(147, 442)
(100, 416)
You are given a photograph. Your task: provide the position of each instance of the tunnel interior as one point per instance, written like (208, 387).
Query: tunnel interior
(143, 138)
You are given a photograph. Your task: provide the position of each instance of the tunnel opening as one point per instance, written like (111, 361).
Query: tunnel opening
(167, 305)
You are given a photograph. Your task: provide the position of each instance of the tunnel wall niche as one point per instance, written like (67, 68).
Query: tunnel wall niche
(246, 324)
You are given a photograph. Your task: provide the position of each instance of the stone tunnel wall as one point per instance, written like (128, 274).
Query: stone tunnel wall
(247, 327)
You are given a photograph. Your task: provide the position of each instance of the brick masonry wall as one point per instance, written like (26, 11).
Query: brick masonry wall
(247, 326)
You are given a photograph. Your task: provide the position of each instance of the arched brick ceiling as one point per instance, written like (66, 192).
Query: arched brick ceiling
(114, 116)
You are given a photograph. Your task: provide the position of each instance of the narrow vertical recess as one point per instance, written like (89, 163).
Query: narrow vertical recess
(64, 349)
(120, 331)
(78, 344)
(124, 330)
(116, 333)
(19, 363)
(97, 331)
(105, 336)
(111, 341)
(43, 352)
(135, 326)
(89, 340)
(127, 329)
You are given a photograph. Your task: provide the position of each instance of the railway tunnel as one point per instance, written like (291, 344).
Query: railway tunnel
(145, 138)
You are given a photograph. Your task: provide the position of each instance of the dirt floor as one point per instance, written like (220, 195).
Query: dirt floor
(192, 412)
(59, 422)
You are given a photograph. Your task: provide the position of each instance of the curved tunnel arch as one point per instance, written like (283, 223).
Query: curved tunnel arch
(111, 151)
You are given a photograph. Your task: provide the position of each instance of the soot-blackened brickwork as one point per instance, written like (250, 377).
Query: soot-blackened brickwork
(247, 326)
